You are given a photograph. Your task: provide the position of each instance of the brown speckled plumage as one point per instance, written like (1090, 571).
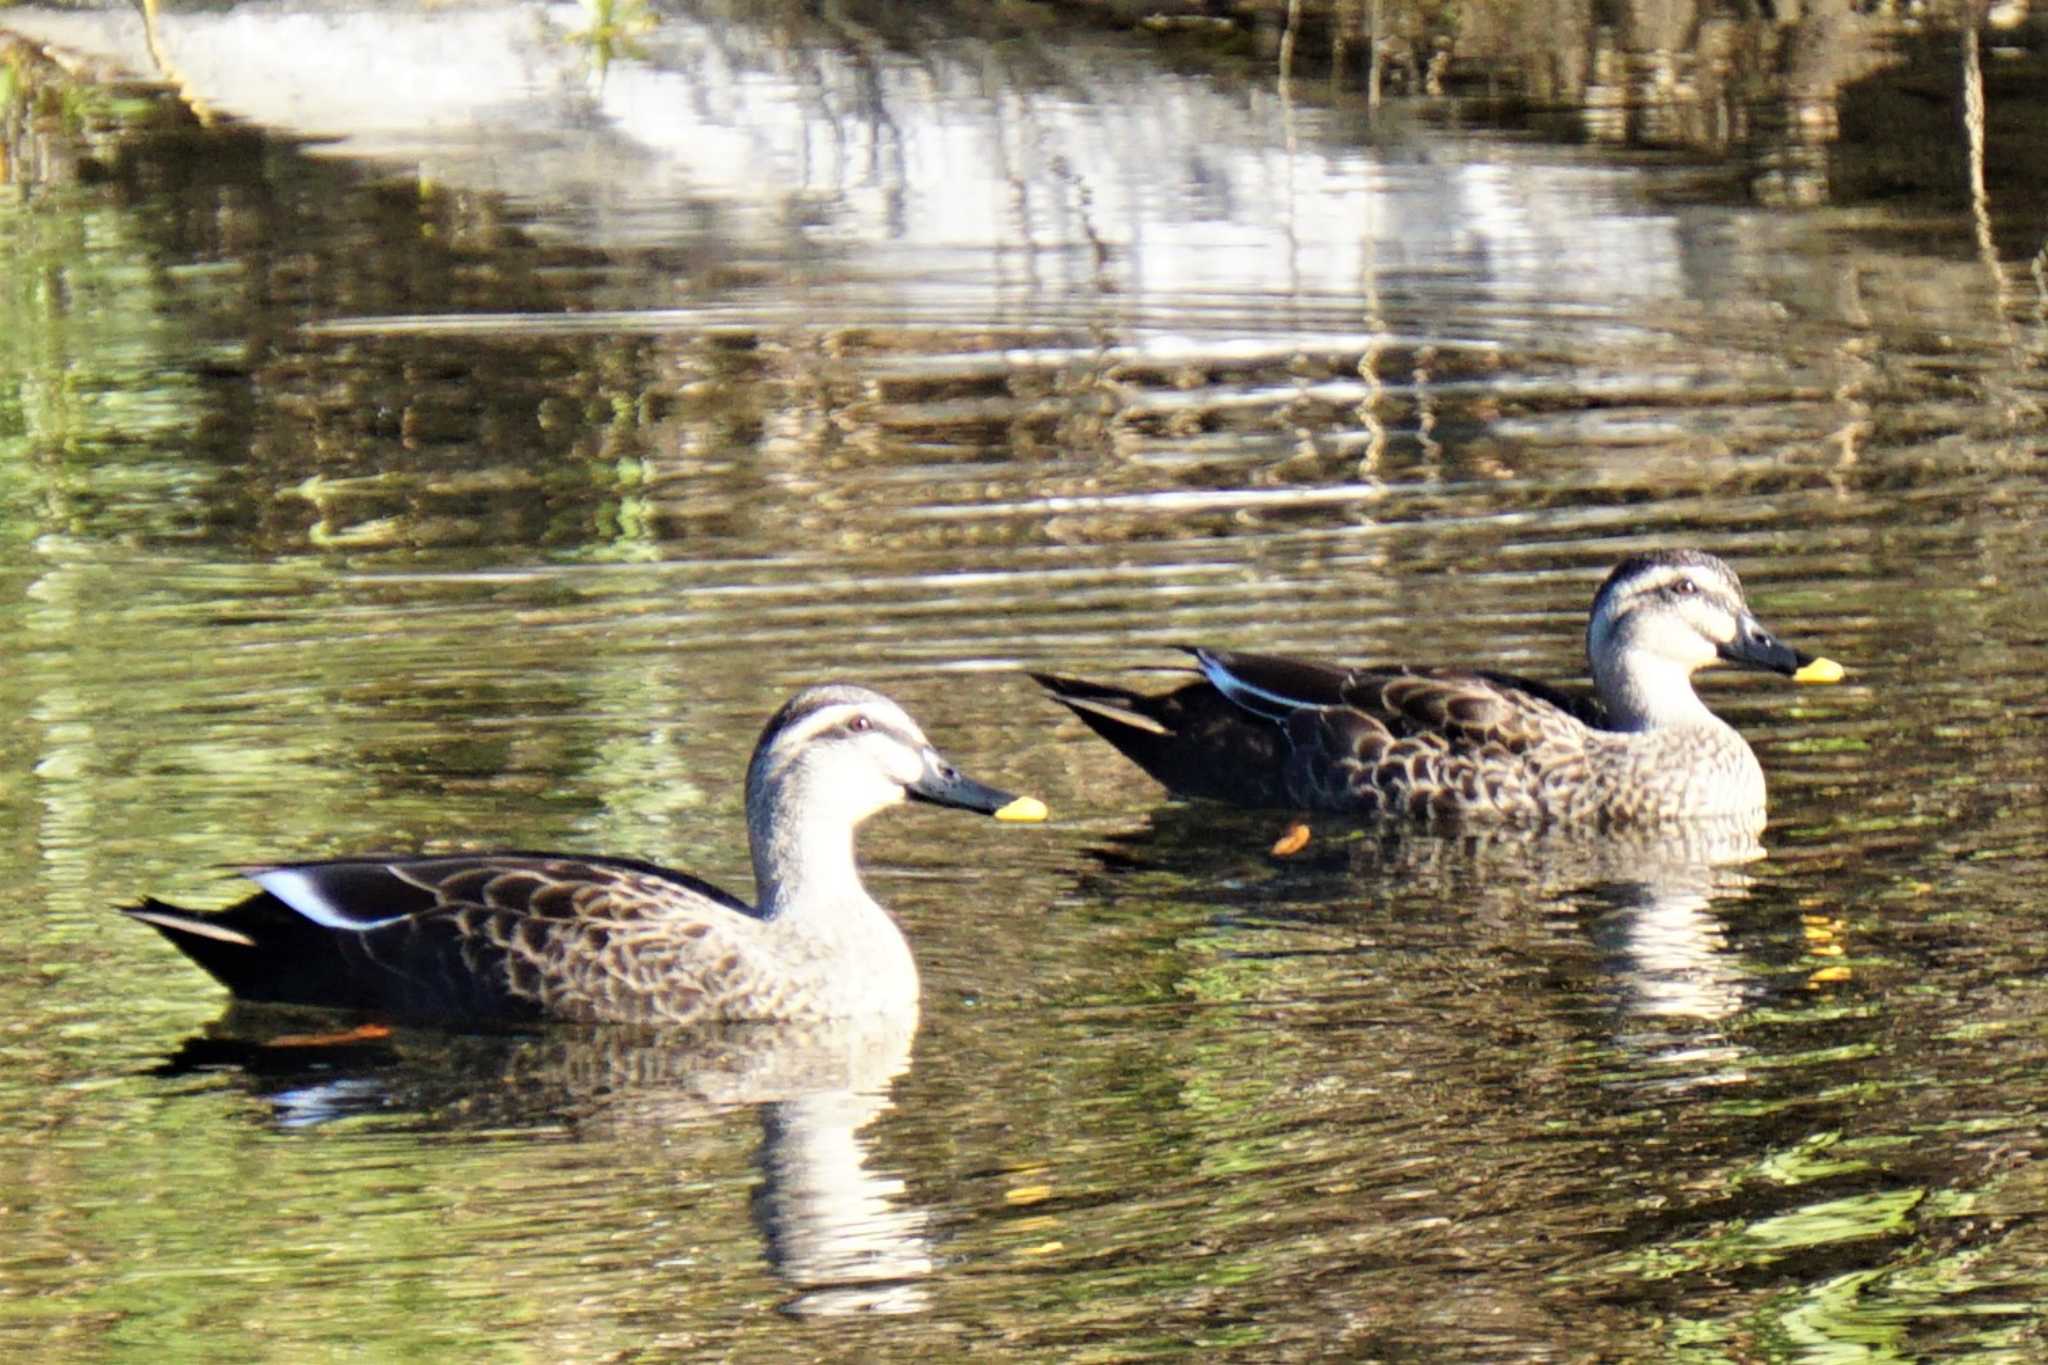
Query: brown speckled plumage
(514, 937)
(1449, 743)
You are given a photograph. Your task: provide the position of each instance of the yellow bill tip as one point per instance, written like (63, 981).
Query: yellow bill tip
(1819, 671)
(1024, 810)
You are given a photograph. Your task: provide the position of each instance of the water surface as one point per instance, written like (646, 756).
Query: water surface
(484, 472)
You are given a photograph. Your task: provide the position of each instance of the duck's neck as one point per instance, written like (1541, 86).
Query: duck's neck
(800, 859)
(828, 931)
(1643, 692)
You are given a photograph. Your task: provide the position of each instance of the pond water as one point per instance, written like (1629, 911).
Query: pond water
(389, 460)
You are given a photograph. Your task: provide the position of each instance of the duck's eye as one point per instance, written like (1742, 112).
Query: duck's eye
(1685, 587)
(859, 725)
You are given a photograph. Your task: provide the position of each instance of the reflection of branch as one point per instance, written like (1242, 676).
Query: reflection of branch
(1372, 78)
(1973, 115)
(2040, 270)
(201, 110)
(1287, 46)
(1973, 129)
(1974, 122)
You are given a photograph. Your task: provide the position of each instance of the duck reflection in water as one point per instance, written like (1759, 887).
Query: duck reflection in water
(1667, 948)
(1390, 918)
(840, 1233)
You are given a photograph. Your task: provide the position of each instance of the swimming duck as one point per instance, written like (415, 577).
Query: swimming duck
(1449, 743)
(516, 937)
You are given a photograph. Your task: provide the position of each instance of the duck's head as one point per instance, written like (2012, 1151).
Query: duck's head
(1661, 617)
(853, 752)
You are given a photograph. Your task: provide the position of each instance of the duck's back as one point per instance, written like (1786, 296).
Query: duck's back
(1458, 744)
(495, 938)
(1449, 745)
(1430, 743)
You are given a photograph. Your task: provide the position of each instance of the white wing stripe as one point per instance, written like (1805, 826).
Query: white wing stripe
(1242, 693)
(302, 893)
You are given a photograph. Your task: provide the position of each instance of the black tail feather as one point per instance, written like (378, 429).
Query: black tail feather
(421, 967)
(1191, 740)
(263, 950)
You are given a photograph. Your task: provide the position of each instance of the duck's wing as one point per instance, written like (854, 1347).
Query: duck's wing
(1582, 706)
(1264, 730)
(1464, 706)
(1410, 741)
(476, 937)
(361, 894)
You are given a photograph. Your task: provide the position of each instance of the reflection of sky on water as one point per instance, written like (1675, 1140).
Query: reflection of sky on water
(962, 166)
(844, 1237)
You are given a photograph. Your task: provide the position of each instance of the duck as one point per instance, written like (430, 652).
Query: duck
(1447, 744)
(523, 937)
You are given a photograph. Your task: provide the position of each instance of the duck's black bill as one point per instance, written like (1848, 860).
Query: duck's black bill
(1755, 647)
(945, 785)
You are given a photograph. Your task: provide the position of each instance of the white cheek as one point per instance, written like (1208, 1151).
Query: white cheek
(1697, 647)
(878, 772)
(902, 766)
(1692, 639)
(877, 790)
